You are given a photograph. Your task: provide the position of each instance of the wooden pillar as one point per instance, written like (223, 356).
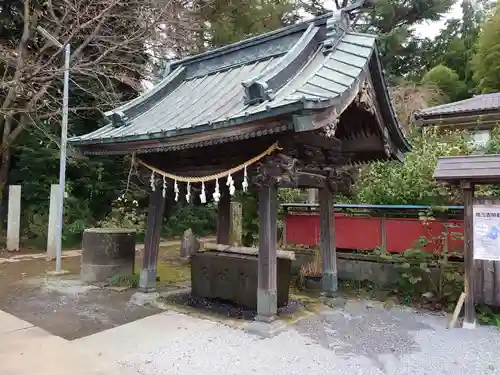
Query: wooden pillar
(470, 312)
(327, 243)
(267, 299)
(147, 282)
(224, 216)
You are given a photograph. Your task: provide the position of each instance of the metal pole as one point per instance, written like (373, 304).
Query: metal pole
(62, 165)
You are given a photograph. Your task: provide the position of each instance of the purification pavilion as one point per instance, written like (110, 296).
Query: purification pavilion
(302, 106)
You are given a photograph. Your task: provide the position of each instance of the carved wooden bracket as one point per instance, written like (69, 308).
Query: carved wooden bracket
(341, 179)
(366, 98)
(276, 169)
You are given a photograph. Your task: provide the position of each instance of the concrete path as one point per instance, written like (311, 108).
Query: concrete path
(360, 338)
(29, 350)
(363, 338)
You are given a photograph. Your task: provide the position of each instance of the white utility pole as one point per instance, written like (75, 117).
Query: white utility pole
(64, 141)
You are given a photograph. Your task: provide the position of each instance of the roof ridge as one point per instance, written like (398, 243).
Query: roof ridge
(258, 39)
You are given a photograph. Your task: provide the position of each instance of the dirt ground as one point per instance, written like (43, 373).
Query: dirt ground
(66, 307)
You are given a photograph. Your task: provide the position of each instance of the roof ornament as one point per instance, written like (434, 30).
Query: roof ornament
(338, 23)
(118, 119)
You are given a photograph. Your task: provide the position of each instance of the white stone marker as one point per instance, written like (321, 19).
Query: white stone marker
(14, 218)
(52, 230)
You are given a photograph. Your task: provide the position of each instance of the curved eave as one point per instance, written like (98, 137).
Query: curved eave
(384, 100)
(168, 135)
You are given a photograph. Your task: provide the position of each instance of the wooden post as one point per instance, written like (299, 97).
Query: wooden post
(224, 216)
(147, 281)
(52, 230)
(311, 195)
(267, 278)
(329, 282)
(13, 217)
(383, 230)
(470, 312)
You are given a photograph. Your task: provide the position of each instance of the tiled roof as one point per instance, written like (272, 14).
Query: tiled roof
(477, 103)
(298, 70)
(214, 98)
(482, 168)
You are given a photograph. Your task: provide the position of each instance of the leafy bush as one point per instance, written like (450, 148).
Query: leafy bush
(202, 219)
(250, 208)
(412, 182)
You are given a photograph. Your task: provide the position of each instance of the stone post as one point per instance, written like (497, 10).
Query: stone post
(13, 218)
(236, 224)
(52, 229)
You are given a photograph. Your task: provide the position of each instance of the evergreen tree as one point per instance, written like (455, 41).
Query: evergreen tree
(394, 21)
(448, 81)
(455, 46)
(487, 59)
(229, 21)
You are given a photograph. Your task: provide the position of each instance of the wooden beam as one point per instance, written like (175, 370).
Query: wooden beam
(282, 254)
(267, 297)
(327, 244)
(147, 281)
(470, 311)
(306, 180)
(368, 144)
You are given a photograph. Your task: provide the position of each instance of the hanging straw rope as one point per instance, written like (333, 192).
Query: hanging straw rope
(216, 176)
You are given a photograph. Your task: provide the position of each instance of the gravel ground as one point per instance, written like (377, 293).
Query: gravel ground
(361, 338)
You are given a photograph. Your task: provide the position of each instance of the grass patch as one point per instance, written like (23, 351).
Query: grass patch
(173, 273)
(131, 281)
(170, 269)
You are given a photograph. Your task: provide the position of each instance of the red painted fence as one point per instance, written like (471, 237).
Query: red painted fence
(366, 227)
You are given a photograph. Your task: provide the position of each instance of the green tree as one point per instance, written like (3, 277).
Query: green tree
(448, 81)
(455, 45)
(411, 182)
(394, 21)
(487, 57)
(229, 21)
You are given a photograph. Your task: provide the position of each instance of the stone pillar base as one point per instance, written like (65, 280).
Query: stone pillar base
(468, 325)
(143, 299)
(264, 329)
(329, 284)
(267, 301)
(147, 281)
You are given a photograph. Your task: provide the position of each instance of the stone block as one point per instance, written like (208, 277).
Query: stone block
(233, 277)
(189, 244)
(107, 253)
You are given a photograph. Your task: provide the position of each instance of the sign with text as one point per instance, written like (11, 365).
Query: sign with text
(486, 237)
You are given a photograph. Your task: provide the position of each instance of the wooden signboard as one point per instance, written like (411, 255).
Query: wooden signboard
(486, 234)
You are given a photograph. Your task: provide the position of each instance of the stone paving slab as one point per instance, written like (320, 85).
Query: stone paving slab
(10, 323)
(29, 350)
